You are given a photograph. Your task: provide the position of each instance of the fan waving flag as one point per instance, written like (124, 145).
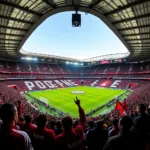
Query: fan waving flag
(120, 108)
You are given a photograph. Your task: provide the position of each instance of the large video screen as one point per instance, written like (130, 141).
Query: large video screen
(105, 62)
(116, 61)
(94, 63)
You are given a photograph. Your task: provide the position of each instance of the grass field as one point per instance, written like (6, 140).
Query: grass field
(63, 100)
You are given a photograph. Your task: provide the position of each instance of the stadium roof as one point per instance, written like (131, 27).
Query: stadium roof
(128, 19)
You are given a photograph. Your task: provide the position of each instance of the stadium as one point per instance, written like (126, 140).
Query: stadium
(108, 89)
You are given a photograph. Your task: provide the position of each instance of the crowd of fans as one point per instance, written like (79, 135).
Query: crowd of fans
(9, 95)
(63, 68)
(24, 128)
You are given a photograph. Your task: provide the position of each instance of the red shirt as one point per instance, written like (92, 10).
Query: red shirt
(43, 139)
(27, 127)
(113, 132)
(11, 138)
(75, 139)
(19, 109)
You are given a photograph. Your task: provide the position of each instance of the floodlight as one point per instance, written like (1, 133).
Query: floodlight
(76, 63)
(28, 58)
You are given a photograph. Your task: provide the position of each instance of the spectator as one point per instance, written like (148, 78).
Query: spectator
(72, 138)
(97, 138)
(148, 111)
(91, 125)
(52, 125)
(43, 138)
(58, 128)
(75, 123)
(21, 119)
(125, 140)
(10, 137)
(1, 123)
(132, 115)
(27, 126)
(19, 108)
(141, 126)
(115, 130)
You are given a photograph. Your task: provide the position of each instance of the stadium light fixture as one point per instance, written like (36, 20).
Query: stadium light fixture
(67, 62)
(81, 64)
(76, 63)
(35, 59)
(29, 58)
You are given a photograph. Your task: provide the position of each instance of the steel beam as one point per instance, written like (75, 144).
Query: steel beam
(141, 46)
(130, 19)
(142, 51)
(137, 39)
(135, 34)
(121, 8)
(9, 39)
(15, 19)
(143, 42)
(13, 28)
(46, 1)
(132, 44)
(19, 7)
(144, 55)
(7, 34)
(13, 48)
(7, 50)
(95, 4)
(7, 47)
(3, 43)
(132, 28)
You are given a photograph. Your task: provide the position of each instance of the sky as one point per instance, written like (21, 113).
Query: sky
(56, 36)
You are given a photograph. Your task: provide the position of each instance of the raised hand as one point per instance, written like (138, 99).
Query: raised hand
(77, 101)
(19, 102)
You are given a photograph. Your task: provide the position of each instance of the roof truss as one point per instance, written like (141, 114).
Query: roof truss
(15, 19)
(13, 28)
(126, 7)
(130, 19)
(26, 9)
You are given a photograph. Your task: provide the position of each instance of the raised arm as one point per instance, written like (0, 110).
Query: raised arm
(19, 108)
(81, 113)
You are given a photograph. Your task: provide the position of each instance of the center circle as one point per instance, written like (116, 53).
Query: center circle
(77, 92)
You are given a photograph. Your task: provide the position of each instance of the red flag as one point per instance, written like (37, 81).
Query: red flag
(120, 108)
(131, 85)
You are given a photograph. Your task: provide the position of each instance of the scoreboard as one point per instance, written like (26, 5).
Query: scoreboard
(116, 61)
(112, 61)
(105, 62)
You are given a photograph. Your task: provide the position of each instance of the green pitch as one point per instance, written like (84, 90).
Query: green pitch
(63, 99)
